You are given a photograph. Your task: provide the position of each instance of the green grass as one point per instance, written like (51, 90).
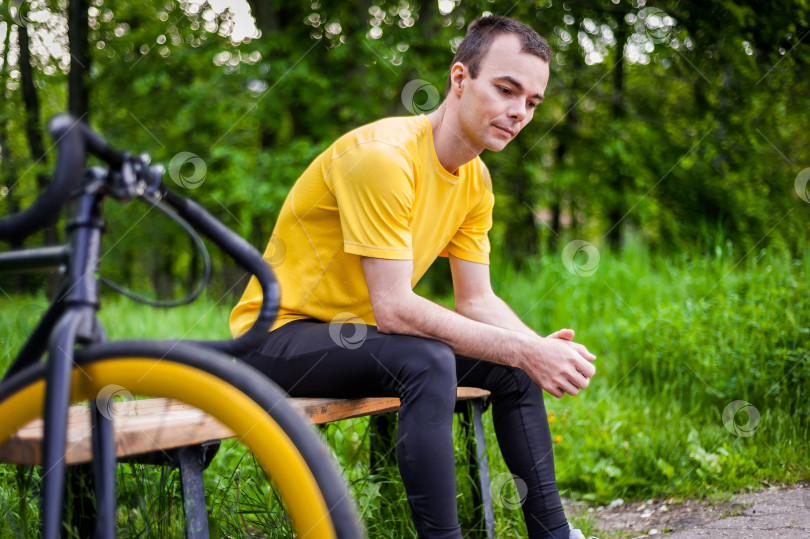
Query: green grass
(678, 338)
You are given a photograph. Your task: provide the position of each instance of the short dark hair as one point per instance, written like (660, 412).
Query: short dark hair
(482, 32)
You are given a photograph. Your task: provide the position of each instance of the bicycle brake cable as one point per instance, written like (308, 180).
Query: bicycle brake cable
(200, 246)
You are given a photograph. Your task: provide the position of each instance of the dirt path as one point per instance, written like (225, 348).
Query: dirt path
(780, 511)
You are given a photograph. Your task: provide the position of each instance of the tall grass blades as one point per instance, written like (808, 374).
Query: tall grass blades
(702, 387)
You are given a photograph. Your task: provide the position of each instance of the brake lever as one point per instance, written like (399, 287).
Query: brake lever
(154, 182)
(134, 179)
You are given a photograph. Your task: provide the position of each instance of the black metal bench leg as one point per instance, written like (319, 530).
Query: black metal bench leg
(80, 511)
(103, 470)
(465, 411)
(382, 441)
(192, 464)
(478, 407)
(383, 457)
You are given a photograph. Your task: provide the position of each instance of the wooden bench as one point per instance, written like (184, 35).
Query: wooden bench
(164, 431)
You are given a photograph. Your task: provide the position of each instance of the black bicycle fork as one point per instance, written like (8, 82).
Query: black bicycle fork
(72, 319)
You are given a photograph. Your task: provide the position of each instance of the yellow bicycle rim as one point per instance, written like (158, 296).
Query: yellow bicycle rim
(252, 425)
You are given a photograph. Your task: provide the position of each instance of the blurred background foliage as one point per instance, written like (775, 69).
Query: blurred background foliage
(673, 137)
(675, 123)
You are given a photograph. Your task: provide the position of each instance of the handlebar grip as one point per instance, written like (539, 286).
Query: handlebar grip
(61, 124)
(45, 210)
(73, 139)
(248, 258)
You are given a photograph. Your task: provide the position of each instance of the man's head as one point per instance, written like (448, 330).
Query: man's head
(498, 77)
(482, 32)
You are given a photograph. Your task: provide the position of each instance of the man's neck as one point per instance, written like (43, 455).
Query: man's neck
(452, 148)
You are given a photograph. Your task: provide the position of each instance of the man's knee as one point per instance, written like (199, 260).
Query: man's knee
(436, 359)
(424, 363)
(428, 390)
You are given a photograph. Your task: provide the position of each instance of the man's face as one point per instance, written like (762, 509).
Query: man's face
(497, 104)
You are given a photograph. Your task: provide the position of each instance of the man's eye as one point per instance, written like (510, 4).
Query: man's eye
(504, 91)
(532, 105)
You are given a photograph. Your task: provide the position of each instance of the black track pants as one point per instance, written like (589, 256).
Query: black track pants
(309, 358)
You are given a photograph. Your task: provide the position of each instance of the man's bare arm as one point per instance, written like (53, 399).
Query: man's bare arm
(553, 364)
(475, 299)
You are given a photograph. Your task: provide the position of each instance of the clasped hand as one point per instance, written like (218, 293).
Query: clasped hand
(560, 365)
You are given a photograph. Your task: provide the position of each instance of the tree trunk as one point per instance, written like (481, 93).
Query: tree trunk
(616, 208)
(566, 137)
(78, 31)
(264, 11)
(9, 171)
(522, 237)
(285, 21)
(9, 178)
(33, 134)
(273, 17)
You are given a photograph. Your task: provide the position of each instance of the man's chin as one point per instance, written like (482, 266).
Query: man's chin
(496, 145)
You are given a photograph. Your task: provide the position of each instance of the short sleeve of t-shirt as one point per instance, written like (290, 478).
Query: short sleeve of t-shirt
(471, 241)
(374, 188)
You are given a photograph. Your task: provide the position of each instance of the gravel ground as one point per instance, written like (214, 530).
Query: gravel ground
(779, 511)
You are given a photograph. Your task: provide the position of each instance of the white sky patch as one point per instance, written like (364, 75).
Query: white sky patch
(48, 29)
(446, 6)
(244, 26)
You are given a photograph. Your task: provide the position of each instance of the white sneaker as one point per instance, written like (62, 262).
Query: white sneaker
(577, 534)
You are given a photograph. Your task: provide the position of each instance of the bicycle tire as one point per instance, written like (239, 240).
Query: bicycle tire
(291, 453)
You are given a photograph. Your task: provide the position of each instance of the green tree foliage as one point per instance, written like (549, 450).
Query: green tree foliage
(683, 123)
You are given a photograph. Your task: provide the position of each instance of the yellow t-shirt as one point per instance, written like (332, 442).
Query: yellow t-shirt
(378, 191)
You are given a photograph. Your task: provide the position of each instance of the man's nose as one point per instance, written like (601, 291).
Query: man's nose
(517, 112)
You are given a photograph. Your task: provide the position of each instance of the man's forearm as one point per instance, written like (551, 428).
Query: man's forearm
(556, 364)
(466, 336)
(494, 311)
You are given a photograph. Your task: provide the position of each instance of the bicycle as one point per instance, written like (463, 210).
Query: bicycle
(81, 361)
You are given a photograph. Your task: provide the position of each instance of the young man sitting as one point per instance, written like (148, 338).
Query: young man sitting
(363, 224)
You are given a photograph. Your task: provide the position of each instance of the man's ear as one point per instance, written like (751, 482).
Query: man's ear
(458, 74)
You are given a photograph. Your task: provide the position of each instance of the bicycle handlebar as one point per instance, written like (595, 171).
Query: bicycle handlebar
(246, 256)
(74, 140)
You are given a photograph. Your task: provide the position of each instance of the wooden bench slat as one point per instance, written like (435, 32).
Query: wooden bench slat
(328, 410)
(143, 426)
(322, 411)
(160, 424)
